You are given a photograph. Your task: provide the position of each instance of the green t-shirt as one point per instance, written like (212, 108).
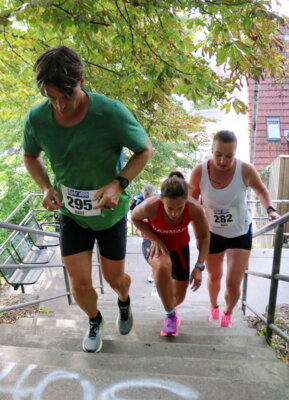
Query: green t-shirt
(88, 155)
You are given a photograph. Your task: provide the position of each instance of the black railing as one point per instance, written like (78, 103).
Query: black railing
(275, 277)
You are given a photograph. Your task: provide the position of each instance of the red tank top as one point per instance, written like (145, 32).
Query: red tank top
(175, 237)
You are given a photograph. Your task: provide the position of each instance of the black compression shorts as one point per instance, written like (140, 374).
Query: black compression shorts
(218, 243)
(75, 239)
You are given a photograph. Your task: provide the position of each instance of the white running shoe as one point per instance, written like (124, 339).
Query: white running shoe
(151, 277)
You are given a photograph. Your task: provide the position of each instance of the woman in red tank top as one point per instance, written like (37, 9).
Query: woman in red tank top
(164, 220)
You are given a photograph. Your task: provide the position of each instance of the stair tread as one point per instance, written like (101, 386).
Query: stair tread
(138, 348)
(139, 325)
(87, 384)
(250, 371)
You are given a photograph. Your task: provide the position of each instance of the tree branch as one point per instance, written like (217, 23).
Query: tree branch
(15, 52)
(101, 67)
(91, 21)
(166, 62)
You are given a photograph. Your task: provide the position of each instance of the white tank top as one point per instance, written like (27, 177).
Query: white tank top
(226, 209)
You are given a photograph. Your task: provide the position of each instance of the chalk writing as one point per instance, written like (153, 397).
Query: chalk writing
(20, 390)
(182, 391)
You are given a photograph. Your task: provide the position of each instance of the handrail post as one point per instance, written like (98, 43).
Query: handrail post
(67, 285)
(244, 291)
(99, 269)
(274, 282)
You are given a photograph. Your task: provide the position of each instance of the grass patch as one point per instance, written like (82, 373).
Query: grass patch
(282, 321)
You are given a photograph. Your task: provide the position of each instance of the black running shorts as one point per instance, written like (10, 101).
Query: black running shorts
(180, 270)
(218, 243)
(75, 239)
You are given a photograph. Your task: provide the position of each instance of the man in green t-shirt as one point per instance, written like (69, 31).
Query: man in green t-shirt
(83, 135)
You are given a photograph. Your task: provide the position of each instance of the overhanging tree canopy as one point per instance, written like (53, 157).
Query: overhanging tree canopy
(142, 51)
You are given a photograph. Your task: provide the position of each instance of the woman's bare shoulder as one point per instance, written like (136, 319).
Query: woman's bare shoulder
(196, 175)
(193, 203)
(151, 203)
(248, 172)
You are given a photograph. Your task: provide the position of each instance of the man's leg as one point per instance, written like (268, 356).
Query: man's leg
(79, 269)
(114, 273)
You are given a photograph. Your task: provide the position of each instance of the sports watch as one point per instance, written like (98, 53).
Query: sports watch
(124, 182)
(200, 266)
(270, 209)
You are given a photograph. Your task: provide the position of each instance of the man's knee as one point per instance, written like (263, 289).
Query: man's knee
(82, 287)
(118, 281)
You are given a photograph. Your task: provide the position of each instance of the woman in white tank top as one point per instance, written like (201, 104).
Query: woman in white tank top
(221, 183)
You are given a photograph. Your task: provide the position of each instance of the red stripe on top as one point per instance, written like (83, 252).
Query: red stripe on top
(175, 237)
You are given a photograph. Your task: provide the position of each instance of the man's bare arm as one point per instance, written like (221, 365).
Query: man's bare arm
(35, 167)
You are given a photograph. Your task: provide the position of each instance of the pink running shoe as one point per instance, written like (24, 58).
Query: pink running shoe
(214, 314)
(225, 321)
(170, 325)
(178, 317)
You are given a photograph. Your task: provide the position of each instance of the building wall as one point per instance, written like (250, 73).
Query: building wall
(273, 103)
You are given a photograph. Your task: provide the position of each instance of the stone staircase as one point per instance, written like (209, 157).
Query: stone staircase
(41, 358)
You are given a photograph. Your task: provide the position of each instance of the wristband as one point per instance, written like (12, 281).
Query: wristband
(270, 209)
(200, 266)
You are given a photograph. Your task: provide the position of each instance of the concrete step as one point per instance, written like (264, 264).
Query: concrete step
(244, 370)
(144, 333)
(81, 320)
(150, 311)
(151, 349)
(154, 302)
(73, 383)
(145, 309)
(139, 325)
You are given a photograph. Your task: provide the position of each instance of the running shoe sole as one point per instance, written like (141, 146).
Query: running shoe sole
(162, 333)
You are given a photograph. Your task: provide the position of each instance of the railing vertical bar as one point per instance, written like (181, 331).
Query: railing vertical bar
(99, 270)
(244, 291)
(67, 285)
(274, 282)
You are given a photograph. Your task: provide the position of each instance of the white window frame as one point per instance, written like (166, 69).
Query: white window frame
(273, 128)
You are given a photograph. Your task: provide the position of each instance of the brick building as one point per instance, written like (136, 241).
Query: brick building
(272, 119)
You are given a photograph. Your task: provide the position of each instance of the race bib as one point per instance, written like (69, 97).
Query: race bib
(220, 217)
(79, 202)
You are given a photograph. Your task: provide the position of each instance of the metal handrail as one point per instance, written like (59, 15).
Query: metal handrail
(20, 228)
(25, 229)
(275, 277)
(20, 205)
